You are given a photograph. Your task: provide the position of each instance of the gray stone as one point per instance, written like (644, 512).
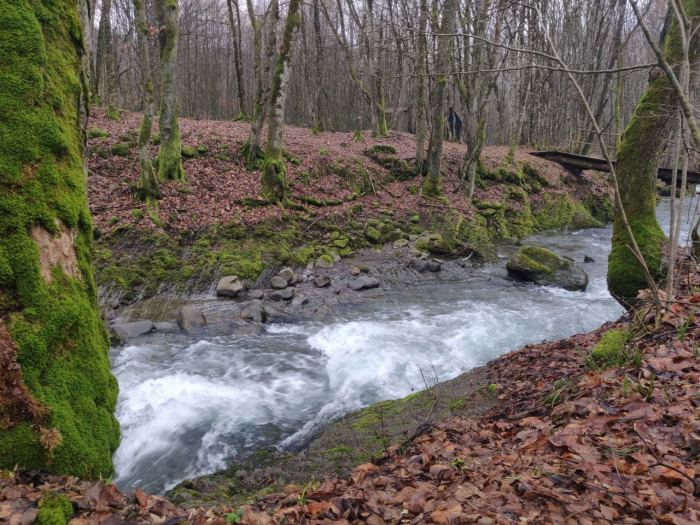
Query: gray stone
(330, 301)
(433, 266)
(542, 266)
(588, 259)
(401, 243)
(287, 274)
(254, 313)
(282, 295)
(134, 329)
(300, 300)
(278, 282)
(354, 270)
(256, 294)
(248, 329)
(191, 319)
(413, 238)
(336, 257)
(229, 286)
(310, 265)
(418, 264)
(363, 283)
(274, 313)
(322, 281)
(166, 327)
(321, 313)
(323, 263)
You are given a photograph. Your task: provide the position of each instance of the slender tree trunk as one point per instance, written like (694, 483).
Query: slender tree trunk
(274, 179)
(57, 394)
(170, 155)
(319, 113)
(237, 60)
(104, 55)
(148, 183)
(431, 183)
(420, 99)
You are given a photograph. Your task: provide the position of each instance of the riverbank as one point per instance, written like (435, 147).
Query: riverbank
(347, 196)
(599, 427)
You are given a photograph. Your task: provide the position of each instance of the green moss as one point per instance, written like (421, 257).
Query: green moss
(137, 214)
(373, 235)
(54, 509)
(113, 114)
(188, 152)
(120, 150)
(202, 150)
(274, 180)
(63, 346)
(323, 151)
(97, 133)
(381, 148)
(102, 153)
(155, 139)
(556, 210)
(583, 219)
(610, 349)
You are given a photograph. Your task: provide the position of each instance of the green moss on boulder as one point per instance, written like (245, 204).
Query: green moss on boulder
(542, 266)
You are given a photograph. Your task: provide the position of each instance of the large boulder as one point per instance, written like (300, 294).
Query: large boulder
(542, 266)
(191, 319)
(278, 282)
(433, 243)
(229, 286)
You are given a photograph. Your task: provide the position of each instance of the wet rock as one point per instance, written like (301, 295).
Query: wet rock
(287, 274)
(322, 281)
(254, 313)
(417, 264)
(229, 286)
(322, 262)
(588, 259)
(166, 327)
(354, 270)
(249, 329)
(401, 243)
(256, 294)
(363, 283)
(330, 301)
(433, 266)
(300, 300)
(278, 282)
(321, 313)
(542, 266)
(134, 329)
(274, 313)
(282, 295)
(191, 319)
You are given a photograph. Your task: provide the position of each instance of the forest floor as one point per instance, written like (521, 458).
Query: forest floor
(596, 428)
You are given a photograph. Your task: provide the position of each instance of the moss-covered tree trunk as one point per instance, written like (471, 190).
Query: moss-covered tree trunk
(148, 183)
(642, 145)
(170, 155)
(274, 180)
(57, 394)
(431, 183)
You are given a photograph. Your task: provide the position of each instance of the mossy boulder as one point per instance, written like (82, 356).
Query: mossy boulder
(542, 266)
(373, 235)
(433, 243)
(583, 219)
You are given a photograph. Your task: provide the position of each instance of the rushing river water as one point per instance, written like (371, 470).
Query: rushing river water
(188, 405)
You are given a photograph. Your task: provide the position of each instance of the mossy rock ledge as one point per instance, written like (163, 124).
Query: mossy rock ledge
(542, 266)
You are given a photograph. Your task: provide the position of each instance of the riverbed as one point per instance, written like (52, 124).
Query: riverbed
(188, 405)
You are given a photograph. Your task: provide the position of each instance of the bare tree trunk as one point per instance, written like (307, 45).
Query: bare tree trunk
(420, 99)
(274, 180)
(237, 59)
(431, 183)
(148, 183)
(170, 155)
(105, 58)
(319, 112)
(57, 393)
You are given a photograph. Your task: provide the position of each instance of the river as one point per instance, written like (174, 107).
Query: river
(187, 405)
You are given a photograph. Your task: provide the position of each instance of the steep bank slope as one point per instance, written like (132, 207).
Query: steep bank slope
(367, 193)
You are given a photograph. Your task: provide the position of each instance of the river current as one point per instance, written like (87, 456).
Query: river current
(188, 405)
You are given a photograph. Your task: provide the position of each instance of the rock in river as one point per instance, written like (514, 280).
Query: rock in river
(541, 266)
(322, 281)
(254, 313)
(191, 319)
(282, 295)
(134, 329)
(229, 286)
(363, 283)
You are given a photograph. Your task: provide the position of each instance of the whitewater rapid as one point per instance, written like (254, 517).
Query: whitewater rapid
(187, 406)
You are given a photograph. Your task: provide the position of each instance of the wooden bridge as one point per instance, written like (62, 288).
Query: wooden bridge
(574, 163)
